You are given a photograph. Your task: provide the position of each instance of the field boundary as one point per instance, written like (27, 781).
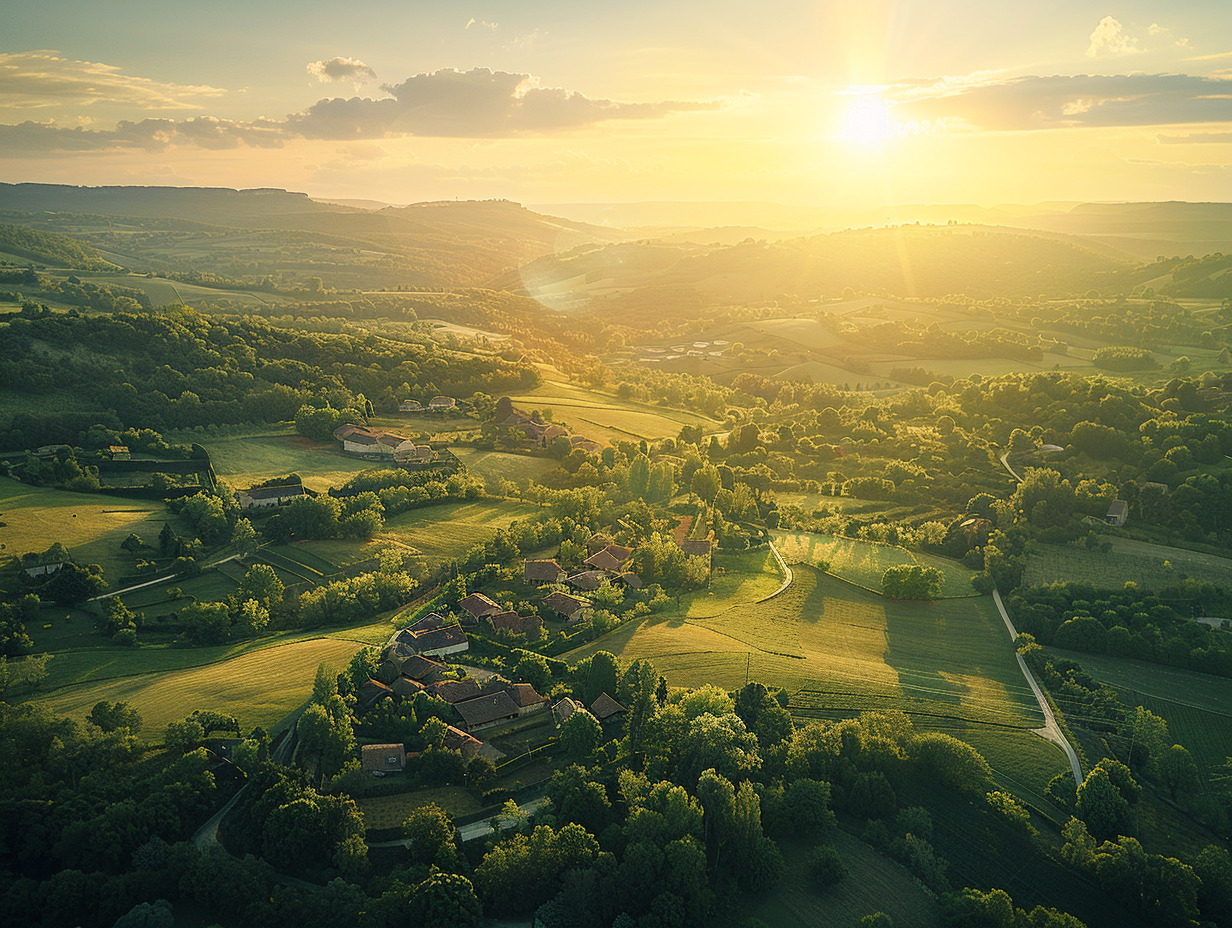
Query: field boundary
(788, 576)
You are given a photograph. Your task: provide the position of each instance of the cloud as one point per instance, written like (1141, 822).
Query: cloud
(44, 78)
(1110, 40)
(444, 104)
(1207, 138)
(1155, 29)
(341, 69)
(482, 23)
(1060, 101)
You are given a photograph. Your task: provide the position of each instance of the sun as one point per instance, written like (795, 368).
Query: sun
(868, 121)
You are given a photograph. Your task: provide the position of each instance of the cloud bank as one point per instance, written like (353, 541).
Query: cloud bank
(45, 78)
(447, 104)
(1067, 101)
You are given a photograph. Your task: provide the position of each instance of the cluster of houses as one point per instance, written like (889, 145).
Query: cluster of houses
(535, 431)
(606, 560)
(384, 444)
(436, 404)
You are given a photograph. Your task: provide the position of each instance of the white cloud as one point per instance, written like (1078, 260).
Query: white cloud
(341, 69)
(38, 79)
(1163, 32)
(1109, 40)
(482, 23)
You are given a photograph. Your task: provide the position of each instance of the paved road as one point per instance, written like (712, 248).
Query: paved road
(787, 574)
(167, 579)
(1051, 730)
(1005, 462)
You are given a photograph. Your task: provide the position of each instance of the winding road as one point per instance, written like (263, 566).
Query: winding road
(1051, 730)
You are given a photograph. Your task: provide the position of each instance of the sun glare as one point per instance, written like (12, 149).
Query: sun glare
(868, 121)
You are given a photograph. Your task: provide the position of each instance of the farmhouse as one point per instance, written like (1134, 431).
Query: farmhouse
(487, 711)
(587, 580)
(631, 580)
(605, 707)
(382, 759)
(477, 606)
(410, 406)
(405, 687)
(1118, 512)
(596, 543)
(563, 710)
(269, 497)
(422, 670)
(469, 746)
(606, 559)
(524, 695)
(359, 439)
(442, 402)
(570, 608)
(513, 623)
(540, 572)
(441, 641)
(119, 453)
(373, 690)
(454, 691)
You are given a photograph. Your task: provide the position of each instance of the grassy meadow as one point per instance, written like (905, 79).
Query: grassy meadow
(1150, 566)
(443, 532)
(863, 562)
(245, 458)
(90, 526)
(603, 416)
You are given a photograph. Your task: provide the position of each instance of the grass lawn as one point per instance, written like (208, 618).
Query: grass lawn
(89, 525)
(259, 687)
(495, 465)
(392, 811)
(447, 531)
(863, 562)
(736, 577)
(243, 459)
(1140, 561)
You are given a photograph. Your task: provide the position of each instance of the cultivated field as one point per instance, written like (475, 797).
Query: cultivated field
(602, 416)
(90, 526)
(1150, 566)
(863, 562)
(259, 687)
(1196, 706)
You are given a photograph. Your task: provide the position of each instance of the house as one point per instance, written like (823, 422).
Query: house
(1118, 512)
(587, 580)
(477, 606)
(540, 572)
(528, 699)
(270, 497)
(506, 622)
(442, 402)
(429, 622)
(388, 671)
(359, 439)
(410, 406)
(39, 570)
(405, 687)
(596, 543)
(563, 710)
(605, 559)
(696, 547)
(570, 608)
(487, 711)
(422, 670)
(631, 580)
(470, 747)
(605, 707)
(441, 641)
(454, 691)
(119, 453)
(372, 691)
(382, 759)
(586, 444)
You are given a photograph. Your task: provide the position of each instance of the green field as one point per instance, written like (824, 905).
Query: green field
(736, 577)
(89, 525)
(1144, 563)
(838, 648)
(863, 562)
(259, 687)
(496, 465)
(244, 459)
(602, 416)
(444, 532)
(1196, 706)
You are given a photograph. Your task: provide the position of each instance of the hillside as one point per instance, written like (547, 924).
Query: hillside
(250, 234)
(51, 249)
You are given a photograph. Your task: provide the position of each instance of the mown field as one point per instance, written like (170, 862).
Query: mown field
(839, 648)
(602, 416)
(1196, 706)
(243, 459)
(444, 532)
(90, 526)
(863, 562)
(736, 577)
(498, 465)
(258, 687)
(1150, 566)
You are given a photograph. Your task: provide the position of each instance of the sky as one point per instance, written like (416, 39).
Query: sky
(823, 103)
